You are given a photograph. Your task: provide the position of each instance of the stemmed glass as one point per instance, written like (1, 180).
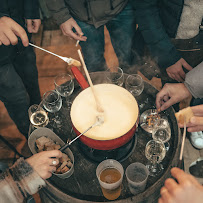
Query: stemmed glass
(115, 76)
(64, 86)
(134, 84)
(155, 152)
(38, 116)
(52, 102)
(162, 131)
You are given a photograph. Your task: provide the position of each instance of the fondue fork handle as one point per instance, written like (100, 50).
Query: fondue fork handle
(180, 162)
(66, 59)
(68, 144)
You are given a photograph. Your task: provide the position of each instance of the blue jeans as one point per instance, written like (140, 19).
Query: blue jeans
(121, 29)
(19, 86)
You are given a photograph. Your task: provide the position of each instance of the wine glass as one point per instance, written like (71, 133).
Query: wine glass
(115, 76)
(52, 102)
(64, 86)
(162, 131)
(38, 116)
(134, 84)
(155, 152)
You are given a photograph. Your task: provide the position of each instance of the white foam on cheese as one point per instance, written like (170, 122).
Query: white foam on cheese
(120, 111)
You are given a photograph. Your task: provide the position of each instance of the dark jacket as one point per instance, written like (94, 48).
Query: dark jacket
(158, 21)
(97, 12)
(18, 10)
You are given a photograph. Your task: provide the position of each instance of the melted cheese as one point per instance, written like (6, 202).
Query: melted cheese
(120, 112)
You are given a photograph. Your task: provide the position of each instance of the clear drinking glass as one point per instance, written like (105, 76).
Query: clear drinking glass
(64, 86)
(155, 152)
(52, 102)
(115, 76)
(134, 84)
(38, 116)
(162, 131)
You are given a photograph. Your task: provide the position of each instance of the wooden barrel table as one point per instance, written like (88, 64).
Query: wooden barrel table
(83, 185)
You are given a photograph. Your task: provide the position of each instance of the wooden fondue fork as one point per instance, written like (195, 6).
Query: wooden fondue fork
(182, 146)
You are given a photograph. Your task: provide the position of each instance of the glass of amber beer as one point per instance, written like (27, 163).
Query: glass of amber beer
(110, 176)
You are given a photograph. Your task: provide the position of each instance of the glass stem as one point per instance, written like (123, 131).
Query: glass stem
(68, 102)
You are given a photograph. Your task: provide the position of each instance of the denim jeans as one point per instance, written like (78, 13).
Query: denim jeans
(19, 86)
(121, 29)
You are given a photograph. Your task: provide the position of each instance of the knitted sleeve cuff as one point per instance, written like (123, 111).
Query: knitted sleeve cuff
(28, 179)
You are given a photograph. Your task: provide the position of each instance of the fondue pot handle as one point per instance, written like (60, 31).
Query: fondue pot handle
(79, 77)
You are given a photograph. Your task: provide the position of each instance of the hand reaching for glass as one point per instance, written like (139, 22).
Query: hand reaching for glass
(185, 190)
(44, 164)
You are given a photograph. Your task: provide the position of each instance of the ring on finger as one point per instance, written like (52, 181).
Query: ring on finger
(54, 162)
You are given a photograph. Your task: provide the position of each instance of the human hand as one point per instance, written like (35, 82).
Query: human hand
(176, 71)
(43, 164)
(187, 189)
(171, 94)
(10, 30)
(33, 25)
(196, 122)
(67, 27)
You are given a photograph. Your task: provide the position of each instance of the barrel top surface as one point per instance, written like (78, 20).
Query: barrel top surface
(83, 184)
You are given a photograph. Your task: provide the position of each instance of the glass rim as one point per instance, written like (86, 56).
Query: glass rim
(142, 166)
(109, 71)
(63, 74)
(51, 91)
(134, 75)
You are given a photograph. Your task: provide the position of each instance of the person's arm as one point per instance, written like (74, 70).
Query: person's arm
(63, 18)
(194, 81)
(157, 40)
(59, 10)
(26, 176)
(173, 93)
(185, 190)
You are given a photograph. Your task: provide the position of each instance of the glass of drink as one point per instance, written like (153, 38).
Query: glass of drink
(110, 176)
(162, 131)
(137, 174)
(134, 84)
(115, 76)
(155, 152)
(64, 86)
(38, 116)
(52, 102)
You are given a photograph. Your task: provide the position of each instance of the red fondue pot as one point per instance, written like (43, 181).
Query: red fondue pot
(102, 144)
